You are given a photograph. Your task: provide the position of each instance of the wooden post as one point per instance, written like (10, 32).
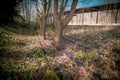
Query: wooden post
(97, 18)
(91, 17)
(82, 16)
(116, 16)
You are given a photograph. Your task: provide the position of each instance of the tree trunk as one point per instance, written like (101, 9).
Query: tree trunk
(43, 10)
(59, 22)
(58, 35)
(42, 28)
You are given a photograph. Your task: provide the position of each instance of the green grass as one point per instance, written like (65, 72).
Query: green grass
(103, 48)
(21, 57)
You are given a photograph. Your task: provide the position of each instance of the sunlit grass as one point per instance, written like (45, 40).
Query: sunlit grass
(24, 58)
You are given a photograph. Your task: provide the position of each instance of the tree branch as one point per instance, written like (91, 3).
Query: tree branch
(55, 13)
(48, 7)
(62, 8)
(70, 15)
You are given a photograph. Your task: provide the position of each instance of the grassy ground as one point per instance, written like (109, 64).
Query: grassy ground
(89, 53)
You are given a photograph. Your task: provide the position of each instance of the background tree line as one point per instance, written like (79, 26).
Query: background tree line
(11, 8)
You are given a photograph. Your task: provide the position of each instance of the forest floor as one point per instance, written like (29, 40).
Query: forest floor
(87, 53)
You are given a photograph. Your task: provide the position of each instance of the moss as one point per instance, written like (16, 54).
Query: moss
(50, 75)
(78, 55)
(97, 63)
(43, 64)
(90, 54)
(115, 46)
(84, 78)
(106, 74)
(5, 42)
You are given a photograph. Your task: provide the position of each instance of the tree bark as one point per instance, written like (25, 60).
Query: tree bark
(59, 22)
(42, 28)
(46, 4)
(58, 35)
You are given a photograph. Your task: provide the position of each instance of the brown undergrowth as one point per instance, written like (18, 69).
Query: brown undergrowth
(88, 53)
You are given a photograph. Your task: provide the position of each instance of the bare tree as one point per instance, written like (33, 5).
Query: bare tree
(61, 21)
(43, 7)
(26, 6)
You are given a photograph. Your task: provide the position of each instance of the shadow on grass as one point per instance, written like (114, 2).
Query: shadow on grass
(16, 65)
(21, 28)
(96, 38)
(93, 37)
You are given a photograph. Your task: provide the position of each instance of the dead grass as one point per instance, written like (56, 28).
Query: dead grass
(74, 61)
